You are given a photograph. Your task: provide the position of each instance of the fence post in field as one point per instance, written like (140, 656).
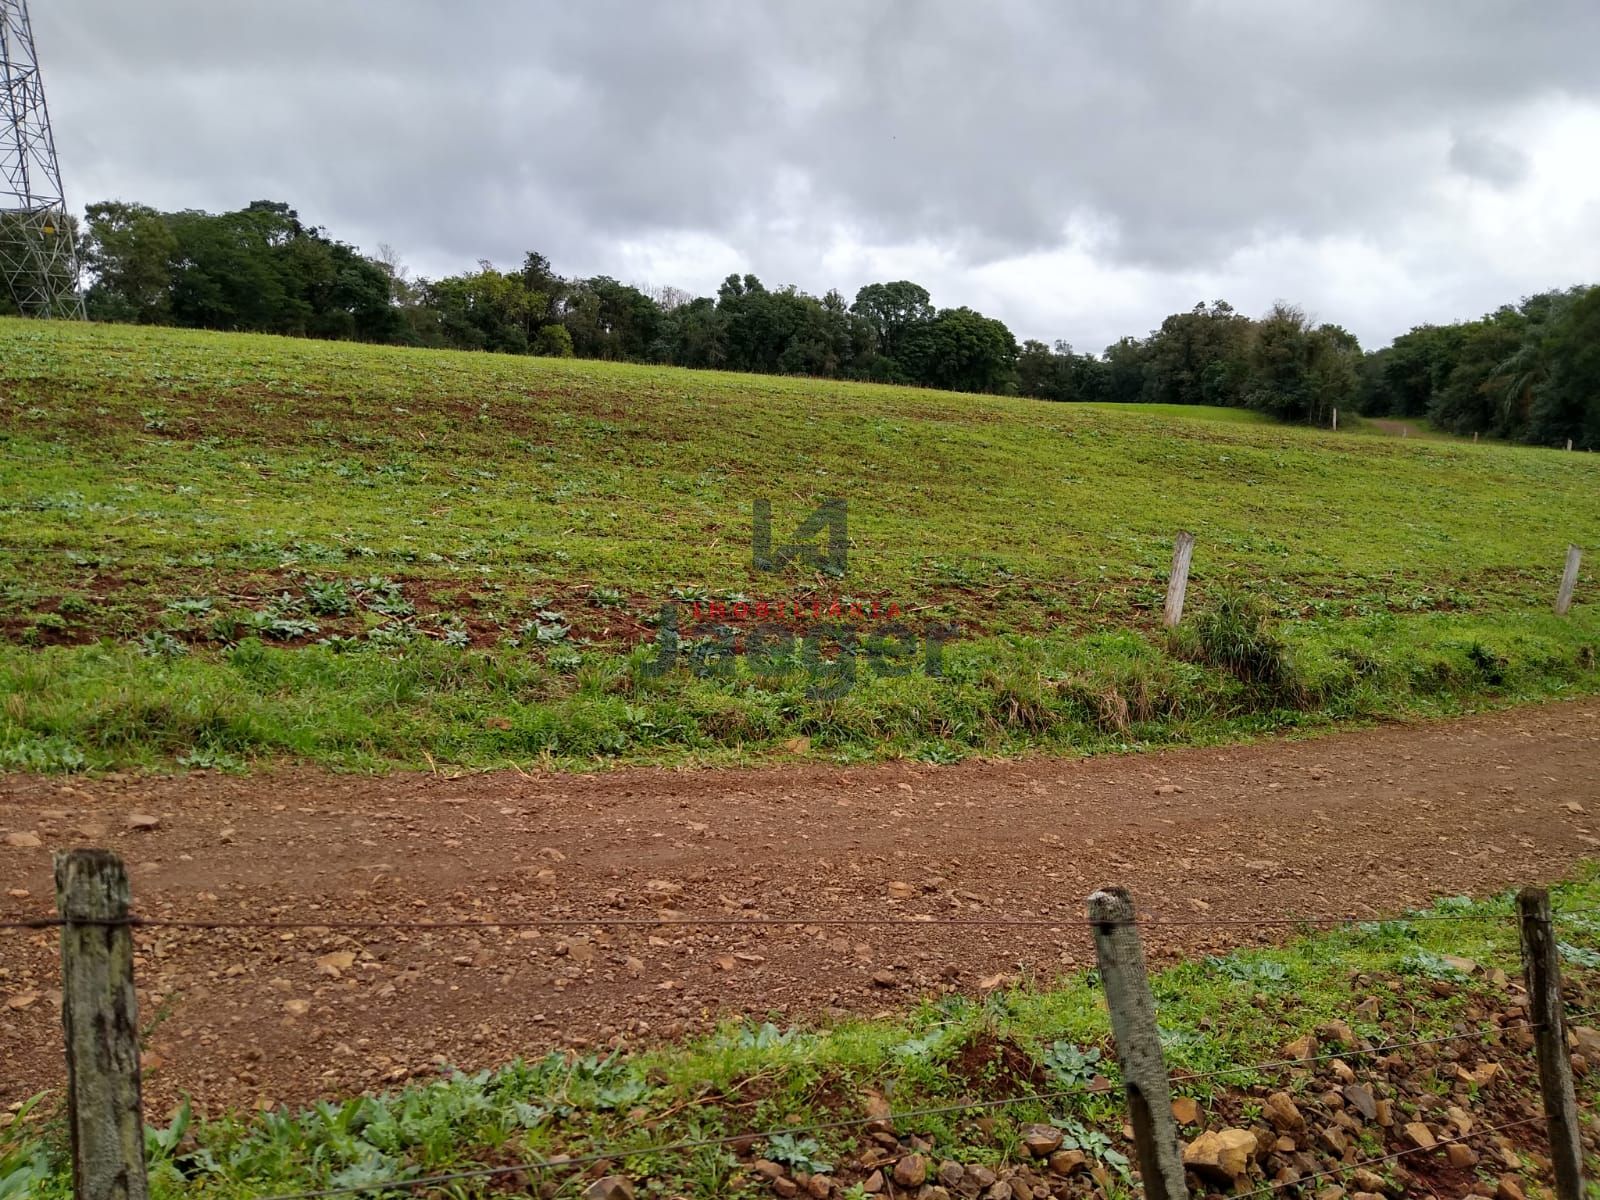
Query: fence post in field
(1569, 443)
(1569, 581)
(100, 1018)
(1178, 579)
(1541, 965)
(1336, 420)
(1133, 1025)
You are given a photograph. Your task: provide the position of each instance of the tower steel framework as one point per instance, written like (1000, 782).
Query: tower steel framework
(38, 239)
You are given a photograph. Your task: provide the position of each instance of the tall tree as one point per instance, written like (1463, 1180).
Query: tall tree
(1199, 357)
(963, 351)
(894, 310)
(128, 253)
(1568, 406)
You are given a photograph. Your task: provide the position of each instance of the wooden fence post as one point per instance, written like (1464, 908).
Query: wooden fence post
(1569, 581)
(1336, 420)
(1541, 965)
(1178, 579)
(1133, 1024)
(100, 1016)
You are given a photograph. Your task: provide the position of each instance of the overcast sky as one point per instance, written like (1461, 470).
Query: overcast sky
(1078, 170)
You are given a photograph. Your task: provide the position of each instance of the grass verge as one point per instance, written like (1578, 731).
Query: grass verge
(1032, 1054)
(1229, 676)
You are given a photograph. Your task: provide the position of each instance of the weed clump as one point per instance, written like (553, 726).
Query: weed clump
(1491, 666)
(1235, 634)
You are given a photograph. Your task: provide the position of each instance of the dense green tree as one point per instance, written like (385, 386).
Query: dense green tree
(1301, 373)
(1477, 392)
(1280, 364)
(1198, 357)
(128, 252)
(1057, 373)
(1334, 379)
(485, 310)
(893, 310)
(1413, 368)
(538, 276)
(1567, 404)
(608, 319)
(553, 341)
(258, 268)
(961, 350)
(1126, 371)
(1520, 372)
(1038, 371)
(694, 335)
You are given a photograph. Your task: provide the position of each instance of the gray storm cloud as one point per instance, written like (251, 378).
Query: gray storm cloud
(1187, 136)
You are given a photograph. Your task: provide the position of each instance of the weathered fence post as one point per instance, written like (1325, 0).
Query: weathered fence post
(100, 1016)
(1133, 1024)
(1336, 420)
(1541, 964)
(1178, 579)
(1569, 581)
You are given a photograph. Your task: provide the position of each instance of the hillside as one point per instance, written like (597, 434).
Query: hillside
(224, 547)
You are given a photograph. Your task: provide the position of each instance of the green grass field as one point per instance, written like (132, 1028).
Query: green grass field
(225, 548)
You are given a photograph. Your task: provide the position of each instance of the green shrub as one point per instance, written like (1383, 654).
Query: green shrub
(1233, 632)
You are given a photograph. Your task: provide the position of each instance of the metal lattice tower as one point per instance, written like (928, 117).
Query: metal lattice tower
(38, 244)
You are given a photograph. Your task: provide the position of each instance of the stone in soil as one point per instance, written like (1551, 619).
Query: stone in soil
(1220, 1156)
(1041, 1140)
(611, 1187)
(1282, 1112)
(911, 1171)
(1420, 1136)
(1359, 1097)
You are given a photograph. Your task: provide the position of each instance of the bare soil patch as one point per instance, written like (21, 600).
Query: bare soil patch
(1365, 822)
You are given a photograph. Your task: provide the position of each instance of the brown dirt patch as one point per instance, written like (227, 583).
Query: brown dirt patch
(1365, 822)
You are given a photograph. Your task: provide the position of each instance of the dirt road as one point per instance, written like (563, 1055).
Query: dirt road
(1360, 822)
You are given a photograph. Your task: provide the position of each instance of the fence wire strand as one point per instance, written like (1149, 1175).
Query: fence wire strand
(709, 921)
(622, 1153)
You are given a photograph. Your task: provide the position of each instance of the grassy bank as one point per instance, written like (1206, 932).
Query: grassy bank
(230, 547)
(1035, 1053)
(103, 707)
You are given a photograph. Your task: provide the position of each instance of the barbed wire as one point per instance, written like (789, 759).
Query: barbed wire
(620, 1153)
(605, 920)
(138, 922)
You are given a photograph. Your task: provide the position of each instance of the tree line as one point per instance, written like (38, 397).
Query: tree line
(1529, 372)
